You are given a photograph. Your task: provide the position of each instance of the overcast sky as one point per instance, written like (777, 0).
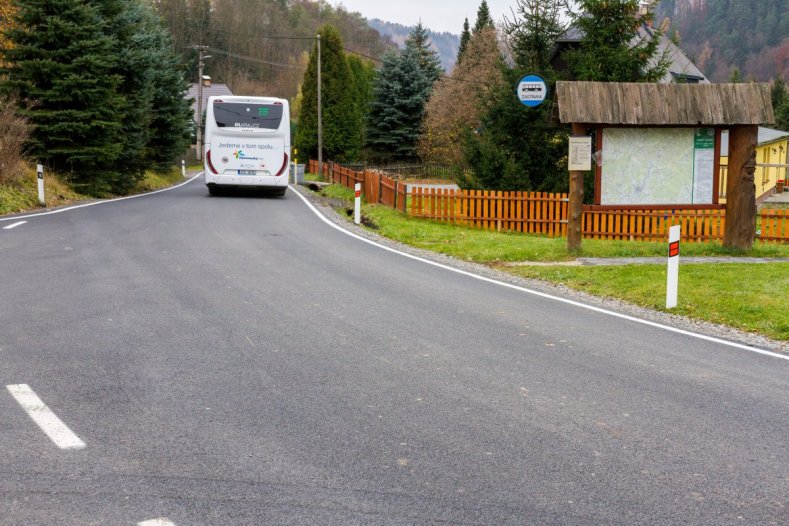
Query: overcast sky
(438, 15)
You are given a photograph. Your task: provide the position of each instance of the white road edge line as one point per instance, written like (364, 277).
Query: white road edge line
(543, 294)
(42, 415)
(14, 225)
(156, 522)
(94, 203)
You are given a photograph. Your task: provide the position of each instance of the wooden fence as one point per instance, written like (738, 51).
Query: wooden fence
(546, 213)
(530, 212)
(653, 225)
(773, 225)
(377, 187)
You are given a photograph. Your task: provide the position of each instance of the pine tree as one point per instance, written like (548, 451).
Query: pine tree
(430, 63)
(484, 20)
(610, 50)
(465, 36)
(341, 121)
(533, 32)
(63, 60)
(400, 92)
(127, 23)
(516, 148)
(520, 148)
(780, 99)
(171, 113)
(362, 75)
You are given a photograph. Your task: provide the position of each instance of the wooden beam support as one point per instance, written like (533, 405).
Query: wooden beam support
(575, 214)
(740, 189)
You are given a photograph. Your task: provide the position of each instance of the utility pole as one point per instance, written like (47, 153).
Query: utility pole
(200, 65)
(320, 114)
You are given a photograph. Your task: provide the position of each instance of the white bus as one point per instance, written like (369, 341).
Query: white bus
(247, 143)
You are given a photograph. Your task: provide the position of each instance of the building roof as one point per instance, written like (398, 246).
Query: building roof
(208, 91)
(680, 69)
(649, 104)
(765, 136)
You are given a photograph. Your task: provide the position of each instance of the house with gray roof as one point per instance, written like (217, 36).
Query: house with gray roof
(681, 68)
(210, 89)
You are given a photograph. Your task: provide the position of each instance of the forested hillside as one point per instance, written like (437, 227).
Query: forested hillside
(719, 35)
(445, 44)
(261, 47)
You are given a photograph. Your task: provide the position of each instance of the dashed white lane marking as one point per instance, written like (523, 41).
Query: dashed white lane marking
(156, 522)
(14, 225)
(42, 415)
(566, 301)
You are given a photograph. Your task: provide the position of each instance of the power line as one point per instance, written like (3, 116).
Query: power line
(252, 59)
(269, 37)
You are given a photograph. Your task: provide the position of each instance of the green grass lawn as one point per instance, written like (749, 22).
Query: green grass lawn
(492, 247)
(751, 297)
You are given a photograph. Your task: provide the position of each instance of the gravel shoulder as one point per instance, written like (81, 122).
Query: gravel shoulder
(327, 208)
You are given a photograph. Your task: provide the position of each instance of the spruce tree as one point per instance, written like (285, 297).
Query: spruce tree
(128, 23)
(484, 20)
(780, 99)
(430, 63)
(171, 113)
(63, 60)
(465, 36)
(400, 92)
(516, 147)
(533, 32)
(610, 50)
(341, 121)
(362, 76)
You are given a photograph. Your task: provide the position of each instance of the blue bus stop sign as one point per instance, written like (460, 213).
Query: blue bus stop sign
(532, 90)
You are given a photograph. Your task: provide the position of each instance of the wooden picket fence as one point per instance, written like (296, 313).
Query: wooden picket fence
(529, 212)
(652, 225)
(377, 187)
(546, 213)
(773, 225)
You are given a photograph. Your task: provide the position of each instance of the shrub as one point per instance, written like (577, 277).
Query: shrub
(14, 132)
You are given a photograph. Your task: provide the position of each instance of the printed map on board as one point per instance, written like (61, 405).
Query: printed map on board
(647, 166)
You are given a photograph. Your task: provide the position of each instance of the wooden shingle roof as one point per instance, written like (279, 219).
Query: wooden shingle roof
(649, 104)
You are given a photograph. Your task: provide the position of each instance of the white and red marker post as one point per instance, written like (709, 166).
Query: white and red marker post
(357, 204)
(40, 174)
(672, 274)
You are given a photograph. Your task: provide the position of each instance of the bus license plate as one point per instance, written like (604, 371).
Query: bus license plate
(246, 172)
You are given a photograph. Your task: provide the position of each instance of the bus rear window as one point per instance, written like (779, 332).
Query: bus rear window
(240, 115)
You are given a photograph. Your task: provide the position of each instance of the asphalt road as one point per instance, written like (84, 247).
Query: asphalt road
(235, 360)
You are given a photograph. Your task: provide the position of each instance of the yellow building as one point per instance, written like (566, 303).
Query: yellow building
(772, 162)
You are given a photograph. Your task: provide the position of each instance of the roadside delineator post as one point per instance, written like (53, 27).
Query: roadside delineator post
(40, 172)
(183, 168)
(357, 203)
(672, 274)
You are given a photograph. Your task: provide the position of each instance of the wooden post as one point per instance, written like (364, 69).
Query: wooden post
(575, 212)
(740, 189)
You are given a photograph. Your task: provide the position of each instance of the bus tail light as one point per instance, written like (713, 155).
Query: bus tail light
(210, 164)
(284, 166)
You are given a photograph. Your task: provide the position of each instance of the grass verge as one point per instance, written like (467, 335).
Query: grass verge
(751, 297)
(22, 194)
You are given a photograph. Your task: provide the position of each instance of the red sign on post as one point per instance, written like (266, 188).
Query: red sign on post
(673, 249)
